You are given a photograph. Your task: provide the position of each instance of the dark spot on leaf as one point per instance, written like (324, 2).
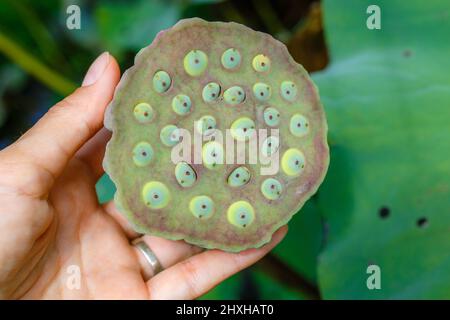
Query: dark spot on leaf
(422, 222)
(384, 212)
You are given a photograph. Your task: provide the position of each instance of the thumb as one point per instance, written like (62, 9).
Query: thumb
(55, 138)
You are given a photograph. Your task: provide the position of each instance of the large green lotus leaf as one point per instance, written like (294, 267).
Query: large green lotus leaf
(387, 97)
(301, 246)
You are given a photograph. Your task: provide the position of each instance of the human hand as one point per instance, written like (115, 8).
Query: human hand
(50, 218)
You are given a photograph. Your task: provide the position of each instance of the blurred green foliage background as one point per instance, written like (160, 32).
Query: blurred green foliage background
(386, 198)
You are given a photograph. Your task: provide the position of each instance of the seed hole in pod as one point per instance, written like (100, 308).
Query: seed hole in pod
(195, 62)
(299, 125)
(155, 195)
(234, 95)
(185, 174)
(241, 214)
(212, 154)
(261, 63)
(269, 146)
(206, 125)
(262, 91)
(384, 212)
(293, 162)
(170, 135)
(211, 92)
(202, 207)
(288, 90)
(239, 177)
(161, 81)
(271, 189)
(271, 117)
(143, 113)
(231, 59)
(181, 104)
(242, 129)
(142, 154)
(422, 222)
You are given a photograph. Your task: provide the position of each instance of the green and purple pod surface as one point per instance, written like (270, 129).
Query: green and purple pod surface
(219, 136)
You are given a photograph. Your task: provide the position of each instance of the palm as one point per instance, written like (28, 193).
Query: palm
(89, 239)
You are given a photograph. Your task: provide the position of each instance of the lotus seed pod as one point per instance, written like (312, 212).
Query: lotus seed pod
(207, 78)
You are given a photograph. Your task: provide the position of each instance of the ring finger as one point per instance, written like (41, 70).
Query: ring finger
(167, 253)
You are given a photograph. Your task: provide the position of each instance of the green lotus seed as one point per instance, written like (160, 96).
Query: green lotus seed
(161, 81)
(185, 174)
(261, 63)
(155, 195)
(202, 207)
(181, 104)
(142, 154)
(234, 95)
(239, 177)
(143, 112)
(271, 117)
(293, 162)
(299, 125)
(231, 59)
(195, 62)
(169, 135)
(212, 154)
(262, 91)
(241, 214)
(271, 189)
(242, 129)
(288, 90)
(270, 146)
(211, 92)
(206, 125)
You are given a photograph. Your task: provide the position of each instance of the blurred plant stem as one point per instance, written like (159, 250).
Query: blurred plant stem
(33, 66)
(42, 37)
(270, 20)
(230, 13)
(282, 273)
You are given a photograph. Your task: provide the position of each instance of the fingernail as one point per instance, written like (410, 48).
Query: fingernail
(96, 69)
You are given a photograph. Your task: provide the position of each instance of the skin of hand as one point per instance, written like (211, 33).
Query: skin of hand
(51, 221)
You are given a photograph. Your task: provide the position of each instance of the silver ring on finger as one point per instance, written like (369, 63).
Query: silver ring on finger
(149, 256)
